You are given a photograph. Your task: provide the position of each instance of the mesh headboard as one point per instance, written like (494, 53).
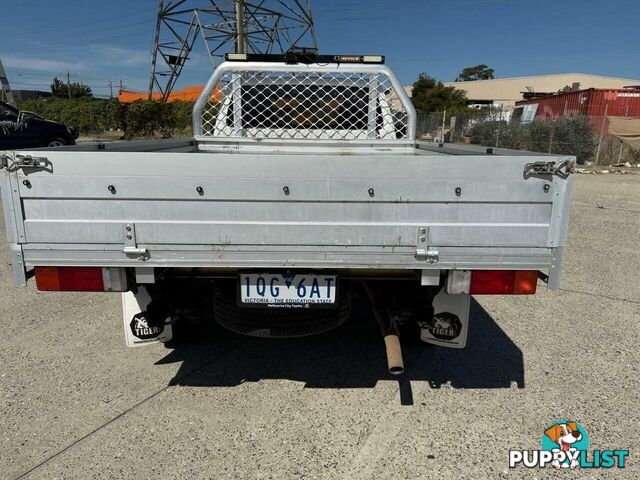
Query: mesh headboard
(304, 102)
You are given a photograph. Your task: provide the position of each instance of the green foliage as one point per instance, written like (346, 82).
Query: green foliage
(479, 72)
(60, 89)
(182, 112)
(430, 95)
(92, 115)
(567, 136)
(88, 115)
(146, 118)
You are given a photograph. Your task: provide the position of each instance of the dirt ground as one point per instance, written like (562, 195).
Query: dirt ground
(76, 403)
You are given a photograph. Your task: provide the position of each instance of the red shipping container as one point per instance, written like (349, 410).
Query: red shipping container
(593, 103)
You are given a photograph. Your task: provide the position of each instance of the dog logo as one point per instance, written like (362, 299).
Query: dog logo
(141, 327)
(565, 437)
(565, 444)
(445, 326)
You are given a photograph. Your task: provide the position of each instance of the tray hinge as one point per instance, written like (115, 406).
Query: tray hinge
(14, 163)
(131, 248)
(423, 252)
(563, 169)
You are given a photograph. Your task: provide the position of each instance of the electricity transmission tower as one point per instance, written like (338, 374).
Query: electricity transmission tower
(5, 88)
(241, 26)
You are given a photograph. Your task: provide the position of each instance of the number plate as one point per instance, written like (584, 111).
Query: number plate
(287, 289)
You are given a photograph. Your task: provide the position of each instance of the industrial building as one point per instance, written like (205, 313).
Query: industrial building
(508, 91)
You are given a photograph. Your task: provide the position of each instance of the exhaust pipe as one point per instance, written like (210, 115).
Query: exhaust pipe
(394, 354)
(395, 363)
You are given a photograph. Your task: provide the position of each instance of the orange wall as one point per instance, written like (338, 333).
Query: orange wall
(188, 94)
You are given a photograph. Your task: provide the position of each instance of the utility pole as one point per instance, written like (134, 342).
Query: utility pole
(69, 84)
(241, 38)
(121, 85)
(5, 88)
(110, 89)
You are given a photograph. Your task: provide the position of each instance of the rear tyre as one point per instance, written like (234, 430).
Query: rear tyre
(55, 142)
(279, 322)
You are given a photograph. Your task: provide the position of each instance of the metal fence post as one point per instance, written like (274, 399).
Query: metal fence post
(452, 129)
(620, 152)
(604, 119)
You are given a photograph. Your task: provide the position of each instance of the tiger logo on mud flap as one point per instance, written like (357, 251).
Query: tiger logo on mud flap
(445, 326)
(143, 329)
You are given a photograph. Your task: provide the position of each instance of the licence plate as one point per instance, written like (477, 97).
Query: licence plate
(287, 289)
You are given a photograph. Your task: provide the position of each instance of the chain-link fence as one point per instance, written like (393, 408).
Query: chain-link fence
(585, 137)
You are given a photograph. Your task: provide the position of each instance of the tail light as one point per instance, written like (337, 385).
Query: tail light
(503, 282)
(80, 279)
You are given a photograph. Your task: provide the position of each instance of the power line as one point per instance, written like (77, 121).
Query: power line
(44, 79)
(68, 37)
(50, 75)
(63, 28)
(85, 42)
(31, 84)
(91, 86)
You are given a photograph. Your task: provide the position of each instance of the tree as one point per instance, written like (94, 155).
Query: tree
(570, 88)
(429, 95)
(479, 72)
(61, 89)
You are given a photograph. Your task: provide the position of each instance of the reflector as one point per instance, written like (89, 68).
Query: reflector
(525, 282)
(47, 279)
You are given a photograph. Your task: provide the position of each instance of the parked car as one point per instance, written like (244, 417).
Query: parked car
(20, 129)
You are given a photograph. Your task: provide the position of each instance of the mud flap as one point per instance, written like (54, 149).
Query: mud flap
(139, 329)
(450, 322)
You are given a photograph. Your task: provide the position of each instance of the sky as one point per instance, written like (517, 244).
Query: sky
(99, 41)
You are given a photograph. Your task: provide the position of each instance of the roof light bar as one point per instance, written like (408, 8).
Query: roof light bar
(373, 59)
(237, 57)
(305, 56)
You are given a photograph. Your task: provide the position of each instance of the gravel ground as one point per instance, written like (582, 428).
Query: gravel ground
(76, 403)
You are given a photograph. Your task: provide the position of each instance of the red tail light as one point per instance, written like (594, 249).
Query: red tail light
(503, 282)
(69, 279)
